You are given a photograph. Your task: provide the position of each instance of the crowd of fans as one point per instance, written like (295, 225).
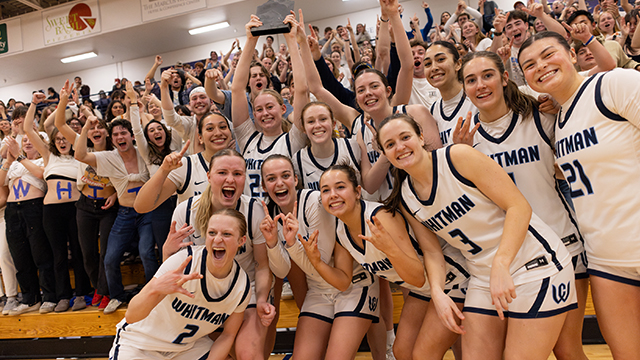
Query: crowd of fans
(89, 178)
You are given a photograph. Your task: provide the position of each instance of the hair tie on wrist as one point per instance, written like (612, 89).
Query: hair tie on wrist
(589, 41)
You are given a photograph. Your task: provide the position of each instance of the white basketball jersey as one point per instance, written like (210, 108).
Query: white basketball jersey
(185, 213)
(255, 152)
(599, 153)
(373, 155)
(178, 320)
(190, 178)
(373, 260)
(465, 218)
(309, 168)
(523, 149)
(456, 107)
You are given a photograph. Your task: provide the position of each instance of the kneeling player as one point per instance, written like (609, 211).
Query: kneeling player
(193, 293)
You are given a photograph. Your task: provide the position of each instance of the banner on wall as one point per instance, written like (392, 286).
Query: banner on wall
(156, 9)
(67, 23)
(10, 36)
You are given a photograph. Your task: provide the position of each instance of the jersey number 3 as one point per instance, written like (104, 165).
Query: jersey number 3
(465, 240)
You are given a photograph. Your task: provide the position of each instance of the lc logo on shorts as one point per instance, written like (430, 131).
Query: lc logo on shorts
(373, 303)
(561, 292)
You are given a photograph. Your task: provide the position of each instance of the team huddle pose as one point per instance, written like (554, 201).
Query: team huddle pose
(492, 210)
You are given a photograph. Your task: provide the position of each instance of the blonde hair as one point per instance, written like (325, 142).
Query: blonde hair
(204, 211)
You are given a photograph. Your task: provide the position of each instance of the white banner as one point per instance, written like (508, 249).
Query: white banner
(65, 23)
(156, 9)
(10, 36)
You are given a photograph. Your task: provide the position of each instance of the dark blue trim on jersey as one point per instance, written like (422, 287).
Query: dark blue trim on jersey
(205, 356)
(362, 250)
(316, 316)
(298, 156)
(419, 297)
(338, 221)
(612, 277)
(251, 306)
(304, 206)
(255, 133)
(433, 106)
(351, 154)
(515, 315)
(503, 137)
(187, 178)
(316, 163)
(358, 118)
(187, 216)
(546, 246)
(542, 293)
(246, 289)
(203, 162)
(458, 267)
(602, 107)
(573, 103)
(273, 143)
(537, 120)
(455, 172)
(187, 269)
(250, 218)
(203, 280)
(455, 111)
(362, 301)
(373, 318)
(573, 221)
(434, 184)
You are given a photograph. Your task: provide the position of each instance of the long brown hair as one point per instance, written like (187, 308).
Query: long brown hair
(516, 101)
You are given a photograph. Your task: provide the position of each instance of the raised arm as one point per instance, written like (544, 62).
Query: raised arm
(354, 43)
(537, 10)
(301, 97)
(383, 46)
(429, 24)
(27, 126)
(339, 275)
(81, 154)
(604, 60)
(239, 105)
(156, 63)
(343, 113)
(211, 78)
(405, 75)
(60, 118)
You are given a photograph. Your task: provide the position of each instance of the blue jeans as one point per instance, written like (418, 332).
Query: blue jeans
(129, 223)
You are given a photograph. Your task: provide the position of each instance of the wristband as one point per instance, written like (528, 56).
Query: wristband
(4, 168)
(497, 33)
(383, 20)
(589, 41)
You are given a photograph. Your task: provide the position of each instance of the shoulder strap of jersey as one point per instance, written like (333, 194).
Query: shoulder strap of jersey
(299, 162)
(454, 171)
(187, 178)
(600, 104)
(253, 136)
(304, 207)
(187, 216)
(538, 122)
(351, 154)
(247, 286)
(187, 270)
(433, 106)
(250, 218)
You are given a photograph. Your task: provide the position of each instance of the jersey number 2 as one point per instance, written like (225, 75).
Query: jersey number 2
(192, 330)
(465, 240)
(570, 170)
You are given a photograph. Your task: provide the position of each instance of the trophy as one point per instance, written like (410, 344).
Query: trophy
(272, 13)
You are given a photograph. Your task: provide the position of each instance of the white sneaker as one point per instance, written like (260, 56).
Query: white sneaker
(114, 304)
(287, 293)
(47, 307)
(390, 354)
(11, 304)
(23, 308)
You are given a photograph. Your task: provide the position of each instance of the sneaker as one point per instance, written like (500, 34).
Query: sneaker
(11, 304)
(104, 302)
(23, 308)
(97, 298)
(47, 307)
(114, 304)
(389, 354)
(63, 305)
(78, 303)
(3, 301)
(287, 293)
